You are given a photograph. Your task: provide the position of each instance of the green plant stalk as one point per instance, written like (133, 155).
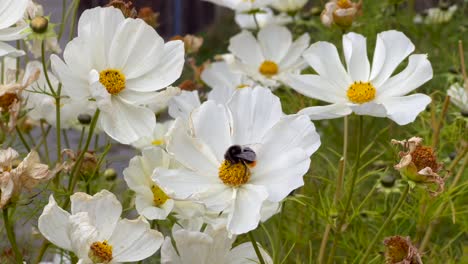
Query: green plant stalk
(46, 145)
(257, 250)
(441, 208)
(44, 69)
(73, 21)
(11, 236)
(385, 224)
(351, 191)
(23, 140)
(339, 188)
(76, 167)
(42, 251)
(436, 134)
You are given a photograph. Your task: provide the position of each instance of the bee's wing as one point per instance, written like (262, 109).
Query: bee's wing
(248, 156)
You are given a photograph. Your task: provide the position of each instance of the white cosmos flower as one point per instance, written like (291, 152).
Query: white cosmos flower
(264, 18)
(436, 15)
(459, 97)
(270, 58)
(253, 123)
(42, 106)
(210, 246)
(183, 104)
(289, 6)
(223, 81)
(120, 63)
(152, 201)
(95, 232)
(11, 12)
(242, 5)
(360, 88)
(156, 139)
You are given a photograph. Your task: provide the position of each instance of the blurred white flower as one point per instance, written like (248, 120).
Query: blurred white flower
(359, 88)
(459, 97)
(289, 6)
(183, 104)
(239, 155)
(120, 63)
(436, 15)
(42, 106)
(210, 246)
(270, 58)
(152, 201)
(242, 5)
(264, 18)
(156, 139)
(95, 232)
(15, 177)
(11, 12)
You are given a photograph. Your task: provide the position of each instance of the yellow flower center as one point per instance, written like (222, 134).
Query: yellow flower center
(361, 92)
(424, 157)
(241, 86)
(6, 100)
(100, 252)
(269, 68)
(113, 80)
(344, 3)
(157, 142)
(234, 174)
(159, 196)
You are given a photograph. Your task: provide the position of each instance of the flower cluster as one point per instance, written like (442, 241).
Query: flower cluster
(218, 162)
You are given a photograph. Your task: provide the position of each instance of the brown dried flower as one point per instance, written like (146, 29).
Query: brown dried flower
(126, 6)
(149, 16)
(419, 164)
(340, 12)
(192, 43)
(399, 250)
(16, 175)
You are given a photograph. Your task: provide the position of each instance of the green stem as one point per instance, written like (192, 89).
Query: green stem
(42, 251)
(58, 124)
(76, 168)
(257, 250)
(256, 21)
(46, 144)
(11, 236)
(23, 140)
(44, 69)
(73, 21)
(351, 191)
(385, 224)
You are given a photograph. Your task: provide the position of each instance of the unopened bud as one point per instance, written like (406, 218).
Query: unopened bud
(84, 119)
(388, 180)
(110, 174)
(39, 24)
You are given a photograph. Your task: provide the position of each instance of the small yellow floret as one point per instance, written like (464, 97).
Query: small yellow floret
(361, 92)
(234, 174)
(159, 196)
(269, 68)
(100, 252)
(113, 80)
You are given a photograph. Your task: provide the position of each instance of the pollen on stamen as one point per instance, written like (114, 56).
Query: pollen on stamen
(159, 196)
(361, 92)
(269, 68)
(113, 80)
(100, 252)
(234, 175)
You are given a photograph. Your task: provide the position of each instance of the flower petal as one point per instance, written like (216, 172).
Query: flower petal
(254, 112)
(167, 71)
(391, 49)
(73, 86)
(7, 50)
(315, 86)
(274, 50)
(189, 151)
(245, 254)
(135, 48)
(324, 59)
(355, 51)
(295, 52)
(244, 215)
(210, 123)
(193, 247)
(126, 123)
(281, 172)
(418, 71)
(134, 240)
(183, 104)
(245, 47)
(404, 110)
(326, 112)
(11, 11)
(103, 209)
(54, 223)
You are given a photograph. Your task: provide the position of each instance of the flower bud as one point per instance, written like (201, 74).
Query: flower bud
(110, 174)
(84, 119)
(39, 24)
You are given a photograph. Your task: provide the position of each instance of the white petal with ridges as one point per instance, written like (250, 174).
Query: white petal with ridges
(54, 224)
(355, 51)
